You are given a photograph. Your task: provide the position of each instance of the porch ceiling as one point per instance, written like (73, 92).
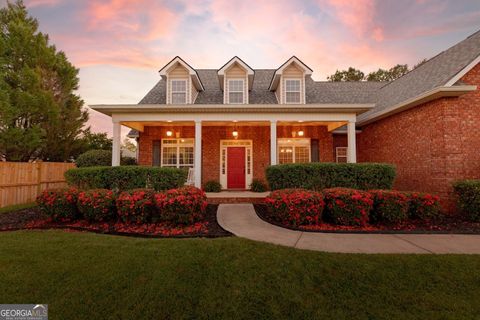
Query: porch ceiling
(138, 125)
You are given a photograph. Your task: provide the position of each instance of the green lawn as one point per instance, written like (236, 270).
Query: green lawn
(17, 207)
(89, 276)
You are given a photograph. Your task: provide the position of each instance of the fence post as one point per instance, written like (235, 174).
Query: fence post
(39, 178)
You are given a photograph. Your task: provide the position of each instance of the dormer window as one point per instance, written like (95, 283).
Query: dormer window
(236, 91)
(182, 82)
(292, 91)
(179, 91)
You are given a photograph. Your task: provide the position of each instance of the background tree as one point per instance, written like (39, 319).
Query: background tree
(95, 141)
(351, 74)
(129, 145)
(388, 75)
(40, 115)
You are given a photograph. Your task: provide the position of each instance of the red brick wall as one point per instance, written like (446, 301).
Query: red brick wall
(432, 145)
(211, 136)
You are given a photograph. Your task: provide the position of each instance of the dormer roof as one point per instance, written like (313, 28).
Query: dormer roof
(278, 73)
(192, 72)
(236, 60)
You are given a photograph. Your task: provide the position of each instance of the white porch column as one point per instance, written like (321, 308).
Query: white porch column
(198, 154)
(352, 144)
(117, 130)
(273, 142)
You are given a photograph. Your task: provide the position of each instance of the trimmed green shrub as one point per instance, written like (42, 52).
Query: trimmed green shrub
(97, 204)
(348, 206)
(423, 206)
(258, 185)
(296, 207)
(212, 186)
(318, 176)
(185, 205)
(468, 193)
(59, 203)
(95, 158)
(389, 206)
(126, 178)
(137, 206)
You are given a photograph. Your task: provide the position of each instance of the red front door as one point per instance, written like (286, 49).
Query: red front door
(236, 168)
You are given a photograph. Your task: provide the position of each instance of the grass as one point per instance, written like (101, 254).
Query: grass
(17, 207)
(91, 276)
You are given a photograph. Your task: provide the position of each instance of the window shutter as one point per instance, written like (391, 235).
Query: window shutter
(314, 150)
(156, 152)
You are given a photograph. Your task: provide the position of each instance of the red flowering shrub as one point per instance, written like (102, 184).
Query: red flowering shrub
(389, 206)
(96, 204)
(59, 203)
(423, 206)
(136, 205)
(348, 206)
(296, 207)
(184, 205)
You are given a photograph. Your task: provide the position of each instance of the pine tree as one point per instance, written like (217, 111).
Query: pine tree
(40, 114)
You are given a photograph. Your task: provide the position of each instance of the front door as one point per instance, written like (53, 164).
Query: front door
(236, 168)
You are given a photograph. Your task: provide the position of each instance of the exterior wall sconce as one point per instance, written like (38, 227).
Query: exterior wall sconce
(169, 133)
(235, 133)
(300, 133)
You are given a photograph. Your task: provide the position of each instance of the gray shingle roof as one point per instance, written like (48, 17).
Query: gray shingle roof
(434, 73)
(317, 92)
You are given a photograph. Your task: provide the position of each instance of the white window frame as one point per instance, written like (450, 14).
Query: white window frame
(236, 91)
(188, 143)
(293, 143)
(184, 92)
(299, 90)
(337, 156)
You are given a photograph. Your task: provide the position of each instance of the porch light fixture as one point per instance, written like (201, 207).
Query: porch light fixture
(169, 133)
(300, 133)
(235, 132)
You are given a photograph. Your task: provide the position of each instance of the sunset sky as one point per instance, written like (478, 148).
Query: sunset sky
(119, 45)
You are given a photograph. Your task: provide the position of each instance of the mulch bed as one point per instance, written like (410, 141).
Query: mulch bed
(32, 218)
(448, 224)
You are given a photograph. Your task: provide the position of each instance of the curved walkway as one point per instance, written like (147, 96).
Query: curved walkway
(241, 220)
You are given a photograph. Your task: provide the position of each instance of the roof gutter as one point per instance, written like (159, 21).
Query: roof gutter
(433, 94)
(243, 108)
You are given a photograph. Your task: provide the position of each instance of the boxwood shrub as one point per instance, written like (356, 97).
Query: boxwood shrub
(319, 176)
(93, 158)
(468, 193)
(126, 178)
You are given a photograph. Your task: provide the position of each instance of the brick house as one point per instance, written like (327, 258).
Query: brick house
(229, 124)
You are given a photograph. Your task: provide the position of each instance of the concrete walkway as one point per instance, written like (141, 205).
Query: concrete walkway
(241, 220)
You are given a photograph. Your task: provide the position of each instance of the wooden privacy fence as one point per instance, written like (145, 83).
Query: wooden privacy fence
(21, 182)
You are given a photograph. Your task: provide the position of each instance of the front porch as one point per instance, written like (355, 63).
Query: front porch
(233, 145)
